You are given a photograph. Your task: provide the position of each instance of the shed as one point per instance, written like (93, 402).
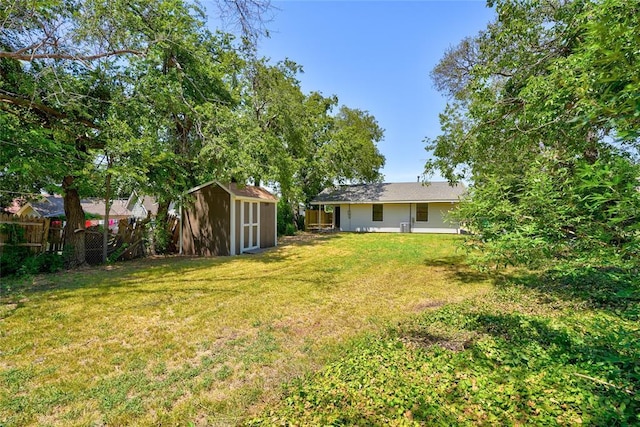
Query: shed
(219, 219)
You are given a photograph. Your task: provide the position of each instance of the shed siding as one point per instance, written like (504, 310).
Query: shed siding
(359, 218)
(206, 224)
(238, 226)
(267, 225)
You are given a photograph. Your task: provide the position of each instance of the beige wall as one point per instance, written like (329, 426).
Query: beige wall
(238, 226)
(358, 217)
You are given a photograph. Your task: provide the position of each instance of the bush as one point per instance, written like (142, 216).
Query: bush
(18, 261)
(286, 222)
(290, 230)
(12, 259)
(42, 263)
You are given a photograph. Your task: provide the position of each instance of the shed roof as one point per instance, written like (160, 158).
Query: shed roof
(397, 192)
(247, 191)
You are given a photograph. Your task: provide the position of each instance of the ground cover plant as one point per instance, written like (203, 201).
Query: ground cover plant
(209, 340)
(550, 350)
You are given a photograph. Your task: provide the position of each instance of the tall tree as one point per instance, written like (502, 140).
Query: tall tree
(72, 71)
(304, 145)
(543, 120)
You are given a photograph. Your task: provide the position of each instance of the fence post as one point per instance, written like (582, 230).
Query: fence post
(45, 234)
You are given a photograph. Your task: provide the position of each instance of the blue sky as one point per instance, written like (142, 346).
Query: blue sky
(376, 56)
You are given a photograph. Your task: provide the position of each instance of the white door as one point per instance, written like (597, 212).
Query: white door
(250, 233)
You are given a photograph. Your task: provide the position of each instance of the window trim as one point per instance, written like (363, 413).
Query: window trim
(426, 205)
(373, 212)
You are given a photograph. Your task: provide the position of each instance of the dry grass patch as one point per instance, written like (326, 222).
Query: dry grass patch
(206, 340)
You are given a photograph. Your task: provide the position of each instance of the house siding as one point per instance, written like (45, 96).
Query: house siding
(206, 224)
(359, 218)
(437, 220)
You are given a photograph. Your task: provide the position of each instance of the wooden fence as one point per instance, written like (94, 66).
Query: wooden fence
(34, 233)
(46, 235)
(318, 220)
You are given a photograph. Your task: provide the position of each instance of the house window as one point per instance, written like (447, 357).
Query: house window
(377, 212)
(422, 212)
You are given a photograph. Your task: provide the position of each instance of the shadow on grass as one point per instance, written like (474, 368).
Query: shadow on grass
(456, 267)
(610, 289)
(130, 273)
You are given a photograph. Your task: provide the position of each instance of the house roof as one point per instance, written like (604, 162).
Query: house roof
(53, 206)
(44, 206)
(399, 192)
(245, 191)
(96, 207)
(149, 203)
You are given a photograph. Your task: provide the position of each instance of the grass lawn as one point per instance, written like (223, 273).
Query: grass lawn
(204, 341)
(349, 329)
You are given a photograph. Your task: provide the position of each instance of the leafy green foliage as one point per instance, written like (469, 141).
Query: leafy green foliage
(286, 221)
(19, 260)
(98, 98)
(577, 213)
(544, 121)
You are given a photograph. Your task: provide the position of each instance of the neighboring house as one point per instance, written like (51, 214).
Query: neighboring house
(142, 206)
(53, 207)
(44, 207)
(392, 207)
(220, 219)
(96, 207)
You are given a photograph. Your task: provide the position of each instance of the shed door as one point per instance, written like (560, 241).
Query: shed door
(250, 226)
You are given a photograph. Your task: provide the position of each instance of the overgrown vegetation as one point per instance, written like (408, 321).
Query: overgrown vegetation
(534, 352)
(543, 120)
(19, 260)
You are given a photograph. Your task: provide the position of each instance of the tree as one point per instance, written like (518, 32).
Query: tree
(72, 72)
(309, 145)
(543, 120)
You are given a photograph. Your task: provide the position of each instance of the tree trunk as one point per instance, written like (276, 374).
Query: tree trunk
(74, 228)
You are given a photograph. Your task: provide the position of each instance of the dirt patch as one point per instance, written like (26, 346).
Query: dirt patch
(303, 237)
(427, 304)
(427, 340)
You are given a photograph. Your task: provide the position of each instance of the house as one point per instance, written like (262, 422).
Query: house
(392, 207)
(219, 219)
(96, 207)
(142, 206)
(43, 207)
(52, 206)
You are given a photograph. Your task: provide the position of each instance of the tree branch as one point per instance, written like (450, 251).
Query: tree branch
(43, 109)
(31, 57)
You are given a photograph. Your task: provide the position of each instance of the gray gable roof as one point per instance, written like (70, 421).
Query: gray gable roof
(400, 192)
(49, 206)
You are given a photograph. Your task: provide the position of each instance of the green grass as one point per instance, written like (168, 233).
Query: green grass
(206, 341)
(535, 351)
(346, 329)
